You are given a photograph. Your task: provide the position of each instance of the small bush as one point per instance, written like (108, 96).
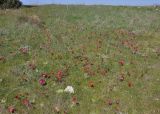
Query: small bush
(6, 4)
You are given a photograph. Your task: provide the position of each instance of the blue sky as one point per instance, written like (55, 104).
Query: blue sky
(108, 2)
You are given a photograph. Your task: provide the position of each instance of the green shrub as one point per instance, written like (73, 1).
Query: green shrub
(6, 4)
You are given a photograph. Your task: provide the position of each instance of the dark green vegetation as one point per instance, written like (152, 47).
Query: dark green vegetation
(109, 55)
(5, 4)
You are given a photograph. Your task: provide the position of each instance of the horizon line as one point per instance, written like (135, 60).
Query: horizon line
(41, 4)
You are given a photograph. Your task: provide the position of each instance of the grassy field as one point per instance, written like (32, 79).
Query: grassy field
(109, 55)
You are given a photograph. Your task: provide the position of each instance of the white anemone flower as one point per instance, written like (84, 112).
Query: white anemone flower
(69, 89)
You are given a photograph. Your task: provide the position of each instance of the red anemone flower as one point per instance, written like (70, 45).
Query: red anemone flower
(26, 102)
(11, 109)
(121, 62)
(42, 82)
(59, 75)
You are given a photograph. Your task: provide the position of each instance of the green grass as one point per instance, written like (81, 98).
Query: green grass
(86, 43)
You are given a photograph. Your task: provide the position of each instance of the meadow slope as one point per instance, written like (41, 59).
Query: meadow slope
(109, 55)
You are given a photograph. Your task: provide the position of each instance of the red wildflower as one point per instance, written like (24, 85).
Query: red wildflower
(17, 97)
(130, 84)
(110, 102)
(91, 84)
(11, 109)
(26, 102)
(121, 62)
(24, 50)
(74, 100)
(42, 82)
(59, 75)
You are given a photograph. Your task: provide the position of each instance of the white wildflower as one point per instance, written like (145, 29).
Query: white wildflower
(69, 89)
